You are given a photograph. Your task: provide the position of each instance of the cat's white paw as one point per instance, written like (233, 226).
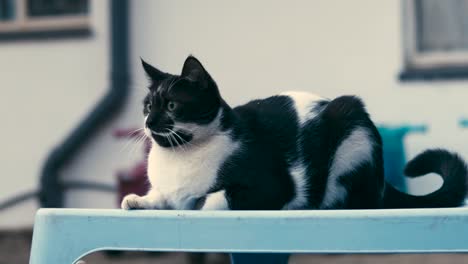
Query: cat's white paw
(132, 201)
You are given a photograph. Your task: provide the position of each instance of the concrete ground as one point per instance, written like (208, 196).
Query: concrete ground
(15, 246)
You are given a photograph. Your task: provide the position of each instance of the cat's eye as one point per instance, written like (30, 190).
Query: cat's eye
(148, 107)
(171, 106)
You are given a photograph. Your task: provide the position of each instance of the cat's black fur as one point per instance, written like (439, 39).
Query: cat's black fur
(258, 174)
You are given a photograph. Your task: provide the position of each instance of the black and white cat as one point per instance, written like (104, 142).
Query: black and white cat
(292, 151)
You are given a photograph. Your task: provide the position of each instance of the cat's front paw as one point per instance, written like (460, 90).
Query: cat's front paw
(132, 201)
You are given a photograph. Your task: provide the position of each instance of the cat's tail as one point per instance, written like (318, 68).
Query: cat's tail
(449, 166)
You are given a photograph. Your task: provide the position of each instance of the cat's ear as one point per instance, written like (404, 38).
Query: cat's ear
(154, 74)
(193, 70)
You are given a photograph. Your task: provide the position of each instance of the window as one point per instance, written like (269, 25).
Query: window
(43, 17)
(435, 39)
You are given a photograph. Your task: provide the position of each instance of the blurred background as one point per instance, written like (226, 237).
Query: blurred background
(72, 86)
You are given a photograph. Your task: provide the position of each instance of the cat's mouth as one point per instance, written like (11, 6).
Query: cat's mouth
(159, 134)
(171, 138)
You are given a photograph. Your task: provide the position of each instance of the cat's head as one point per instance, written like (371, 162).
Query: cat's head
(180, 109)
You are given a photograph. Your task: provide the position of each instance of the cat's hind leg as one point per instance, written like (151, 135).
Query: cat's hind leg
(354, 169)
(352, 161)
(216, 201)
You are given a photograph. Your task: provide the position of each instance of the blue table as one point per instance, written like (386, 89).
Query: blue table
(64, 235)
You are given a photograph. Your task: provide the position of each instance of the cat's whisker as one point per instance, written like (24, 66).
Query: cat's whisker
(125, 146)
(183, 129)
(181, 139)
(203, 165)
(141, 139)
(185, 141)
(137, 145)
(136, 130)
(172, 136)
(131, 149)
(177, 143)
(170, 142)
(131, 141)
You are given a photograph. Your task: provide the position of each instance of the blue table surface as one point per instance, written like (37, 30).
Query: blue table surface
(78, 232)
(408, 230)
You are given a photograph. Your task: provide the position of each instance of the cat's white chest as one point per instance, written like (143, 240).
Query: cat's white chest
(182, 175)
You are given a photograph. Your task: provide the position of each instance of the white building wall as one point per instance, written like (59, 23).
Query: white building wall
(251, 48)
(46, 88)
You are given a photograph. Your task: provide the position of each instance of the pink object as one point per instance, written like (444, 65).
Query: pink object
(133, 180)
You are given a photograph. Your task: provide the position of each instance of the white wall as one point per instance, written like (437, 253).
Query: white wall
(252, 49)
(47, 87)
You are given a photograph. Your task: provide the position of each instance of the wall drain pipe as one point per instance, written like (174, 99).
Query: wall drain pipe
(52, 189)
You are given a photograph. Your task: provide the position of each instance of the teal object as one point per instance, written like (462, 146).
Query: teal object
(394, 151)
(464, 122)
(63, 236)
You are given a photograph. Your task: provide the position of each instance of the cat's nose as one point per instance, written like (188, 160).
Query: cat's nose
(157, 123)
(150, 123)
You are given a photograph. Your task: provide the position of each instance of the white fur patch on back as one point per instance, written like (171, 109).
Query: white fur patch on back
(353, 151)
(304, 105)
